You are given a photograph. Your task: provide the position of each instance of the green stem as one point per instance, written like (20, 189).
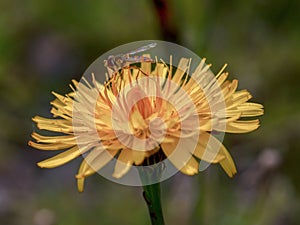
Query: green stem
(152, 197)
(149, 176)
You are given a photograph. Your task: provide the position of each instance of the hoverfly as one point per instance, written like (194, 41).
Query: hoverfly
(116, 62)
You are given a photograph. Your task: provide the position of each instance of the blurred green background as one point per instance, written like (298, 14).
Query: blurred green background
(44, 44)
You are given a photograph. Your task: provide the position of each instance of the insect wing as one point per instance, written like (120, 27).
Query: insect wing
(142, 49)
(136, 59)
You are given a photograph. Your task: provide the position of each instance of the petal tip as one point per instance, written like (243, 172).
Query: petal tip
(80, 184)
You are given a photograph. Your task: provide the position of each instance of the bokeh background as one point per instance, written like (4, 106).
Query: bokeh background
(45, 44)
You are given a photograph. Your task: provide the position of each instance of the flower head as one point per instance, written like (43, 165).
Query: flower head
(147, 111)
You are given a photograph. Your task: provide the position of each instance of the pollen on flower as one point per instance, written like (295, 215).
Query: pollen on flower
(140, 112)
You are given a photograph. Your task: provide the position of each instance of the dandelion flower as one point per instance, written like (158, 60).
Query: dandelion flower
(153, 109)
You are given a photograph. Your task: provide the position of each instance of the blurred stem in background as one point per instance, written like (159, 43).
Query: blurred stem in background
(169, 30)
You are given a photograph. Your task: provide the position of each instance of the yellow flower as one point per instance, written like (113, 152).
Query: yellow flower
(140, 112)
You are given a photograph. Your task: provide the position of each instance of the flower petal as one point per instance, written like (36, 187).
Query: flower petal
(138, 156)
(228, 164)
(242, 126)
(56, 125)
(123, 163)
(95, 161)
(178, 156)
(191, 167)
(217, 149)
(70, 139)
(61, 158)
(80, 184)
(208, 148)
(50, 147)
